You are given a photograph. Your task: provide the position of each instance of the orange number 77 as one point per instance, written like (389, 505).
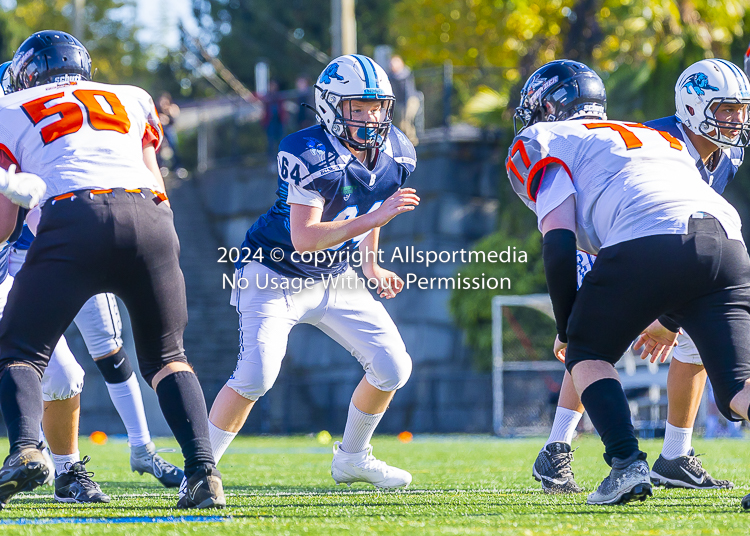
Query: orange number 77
(630, 139)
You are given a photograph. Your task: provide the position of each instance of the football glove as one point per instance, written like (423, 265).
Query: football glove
(23, 189)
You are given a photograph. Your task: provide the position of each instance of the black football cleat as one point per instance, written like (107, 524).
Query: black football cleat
(203, 490)
(75, 485)
(685, 472)
(22, 471)
(553, 469)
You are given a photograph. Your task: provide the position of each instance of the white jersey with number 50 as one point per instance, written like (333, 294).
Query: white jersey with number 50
(630, 181)
(80, 135)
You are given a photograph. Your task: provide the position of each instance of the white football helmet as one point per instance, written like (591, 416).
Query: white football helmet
(348, 78)
(701, 89)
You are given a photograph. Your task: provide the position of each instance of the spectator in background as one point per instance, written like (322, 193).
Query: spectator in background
(407, 98)
(274, 118)
(168, 114)
(305, 116)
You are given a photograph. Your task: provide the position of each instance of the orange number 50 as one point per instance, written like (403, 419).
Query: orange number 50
(630, 139)
(71, 116)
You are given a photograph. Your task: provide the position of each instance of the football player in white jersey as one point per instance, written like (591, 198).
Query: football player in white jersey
(627, 192)
(339, 182)
(105, 226)
(100, 326)
(708, 95)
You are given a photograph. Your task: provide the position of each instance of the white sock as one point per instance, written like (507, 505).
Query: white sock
(564, 427)
(220, 440)
(676, 442)
(126, 396)
(62, 459)
(359, 429)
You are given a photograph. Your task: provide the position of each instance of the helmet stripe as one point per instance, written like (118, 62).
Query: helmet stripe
(735, 70)
(370, 76)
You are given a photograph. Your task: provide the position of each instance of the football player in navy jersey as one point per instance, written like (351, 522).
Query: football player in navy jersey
(339, 182)
(711, 120)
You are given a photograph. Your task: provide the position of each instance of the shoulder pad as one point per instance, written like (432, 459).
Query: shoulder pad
(526, 160)
(667, 124)
(312, 147)
(403, 149)
(737, 155)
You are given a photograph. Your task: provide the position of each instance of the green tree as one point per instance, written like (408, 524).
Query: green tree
(638, 46)
(530, 333)
(109, 34)
(248, 31)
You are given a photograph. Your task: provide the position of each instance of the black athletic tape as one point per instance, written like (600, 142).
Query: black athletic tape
(115, 368)
(560, 268)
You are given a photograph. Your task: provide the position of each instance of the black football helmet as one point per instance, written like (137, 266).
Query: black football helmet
(561, 89)
(49, 56)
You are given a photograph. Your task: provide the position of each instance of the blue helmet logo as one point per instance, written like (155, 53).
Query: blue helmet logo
(699, 82)
(331, 72)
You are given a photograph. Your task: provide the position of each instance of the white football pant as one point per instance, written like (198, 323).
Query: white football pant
(350, 316)
(63, 377)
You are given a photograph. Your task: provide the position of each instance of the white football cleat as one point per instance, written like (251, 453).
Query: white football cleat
(362, 466)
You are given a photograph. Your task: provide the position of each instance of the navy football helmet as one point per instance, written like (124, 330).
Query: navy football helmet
(5, 85)
(559, 90)
(49, 56)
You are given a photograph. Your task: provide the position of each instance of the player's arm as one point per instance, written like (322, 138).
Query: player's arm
(309, 233)
(22, 189)
(657, 342)
(149, 158)
(389, 284)
(559, 256)
(8, 217)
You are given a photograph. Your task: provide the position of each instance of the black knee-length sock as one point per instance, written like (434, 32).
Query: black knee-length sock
(21, 404)
(609, 412)
(184, 407)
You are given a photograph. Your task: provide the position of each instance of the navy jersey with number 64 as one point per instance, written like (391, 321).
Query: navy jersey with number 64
(316, 170)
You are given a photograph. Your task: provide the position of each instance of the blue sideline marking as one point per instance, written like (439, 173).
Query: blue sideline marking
(112, 520)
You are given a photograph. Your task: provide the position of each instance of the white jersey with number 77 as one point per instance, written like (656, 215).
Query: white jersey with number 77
(630, 181)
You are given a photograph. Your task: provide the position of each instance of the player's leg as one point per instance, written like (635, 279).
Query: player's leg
(361, 324)
(61, 387)
(266, 317)
(152, 287)
(62, 383)
(100, 325)
(677, 464)
(552, 466)
(607, 315)
(57, 285)
(720, 326)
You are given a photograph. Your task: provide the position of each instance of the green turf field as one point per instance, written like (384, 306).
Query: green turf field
(462, 485)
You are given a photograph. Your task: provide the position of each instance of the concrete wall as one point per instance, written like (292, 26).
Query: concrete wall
(457, 179)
